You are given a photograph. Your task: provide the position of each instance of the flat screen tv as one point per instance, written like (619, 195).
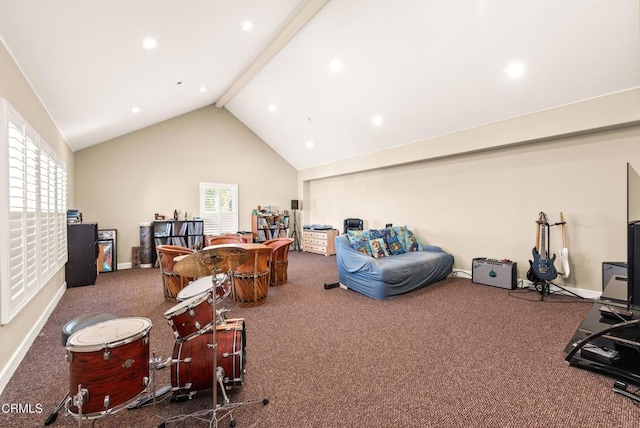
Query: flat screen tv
(633, 238)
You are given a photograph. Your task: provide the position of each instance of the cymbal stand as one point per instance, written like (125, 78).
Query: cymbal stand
(227, 408)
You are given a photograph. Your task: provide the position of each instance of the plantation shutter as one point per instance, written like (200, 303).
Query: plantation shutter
(33, 230)
(219, 208)
(22, 184)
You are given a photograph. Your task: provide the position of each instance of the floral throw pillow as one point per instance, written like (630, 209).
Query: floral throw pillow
(394, 245)
(400, 232)
(412, 242)
(359, 240)
(378, 248)
(379, 233)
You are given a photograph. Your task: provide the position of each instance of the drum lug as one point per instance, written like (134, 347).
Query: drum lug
(69, 357)
(192, 313)
(197, 325)
(107, 401)
(145, 381)
(107, 355)
(145, 341)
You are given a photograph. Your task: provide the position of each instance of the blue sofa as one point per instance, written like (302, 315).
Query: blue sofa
(381, 278)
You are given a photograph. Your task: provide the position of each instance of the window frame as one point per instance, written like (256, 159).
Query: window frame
(216, 222)
(33, 187)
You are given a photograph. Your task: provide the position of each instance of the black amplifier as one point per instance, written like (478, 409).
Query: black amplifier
(497, 273)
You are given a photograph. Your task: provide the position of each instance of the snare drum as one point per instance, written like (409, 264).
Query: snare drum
(204, 284)
(110, 360)
(194, 368)
(191, 317)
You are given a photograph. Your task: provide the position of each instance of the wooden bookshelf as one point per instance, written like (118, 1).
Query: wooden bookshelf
(265, 227)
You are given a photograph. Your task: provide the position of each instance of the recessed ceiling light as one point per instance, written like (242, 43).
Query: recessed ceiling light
(376, 120)
(335, 65)
(149, 43)
(203, 89)
(135, 110)
(272, 108)
(247, 25)
(515, 70)
(310, 144)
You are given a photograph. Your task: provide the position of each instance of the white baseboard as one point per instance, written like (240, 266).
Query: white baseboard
(16, 358)
(122, 266)
(586, 294)
(525, 283)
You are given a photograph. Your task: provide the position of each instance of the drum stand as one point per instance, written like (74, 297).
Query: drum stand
(226, 409)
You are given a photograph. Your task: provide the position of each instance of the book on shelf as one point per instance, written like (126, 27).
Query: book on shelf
(178, 240)
(195, 227)
(183, 229)
(162, 229)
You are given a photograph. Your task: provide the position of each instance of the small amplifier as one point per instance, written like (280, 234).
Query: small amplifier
(497, 273)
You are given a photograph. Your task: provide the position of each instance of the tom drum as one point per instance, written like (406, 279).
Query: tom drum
(205, 284)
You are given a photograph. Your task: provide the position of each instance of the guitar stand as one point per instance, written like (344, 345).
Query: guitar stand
(545, 289)
(546, 284)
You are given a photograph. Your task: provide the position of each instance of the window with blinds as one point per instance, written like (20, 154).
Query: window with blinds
(219, 208)
(33, 238)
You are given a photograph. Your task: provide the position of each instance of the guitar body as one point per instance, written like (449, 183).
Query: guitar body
(542, 267)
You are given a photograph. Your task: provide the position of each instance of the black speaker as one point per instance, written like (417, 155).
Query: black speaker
(294, 204)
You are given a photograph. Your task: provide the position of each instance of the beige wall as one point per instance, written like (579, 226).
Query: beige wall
(485, 203)
(22, 330)
(123, 182)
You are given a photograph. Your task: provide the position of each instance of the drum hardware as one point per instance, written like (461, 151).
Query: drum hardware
(221, 317)
(145, 399)
(212, 261)
(54, 415)
(78, 401)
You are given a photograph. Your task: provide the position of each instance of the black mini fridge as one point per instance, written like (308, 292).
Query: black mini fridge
(82, 248)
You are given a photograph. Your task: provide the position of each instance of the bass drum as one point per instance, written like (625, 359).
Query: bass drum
(109, 361)
(194, 370)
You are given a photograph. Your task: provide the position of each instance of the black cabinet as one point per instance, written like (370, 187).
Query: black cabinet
(82, 248)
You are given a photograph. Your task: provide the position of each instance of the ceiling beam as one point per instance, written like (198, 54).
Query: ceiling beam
(298, 19)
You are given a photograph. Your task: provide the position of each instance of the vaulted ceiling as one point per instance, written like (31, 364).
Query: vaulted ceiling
(319, 80)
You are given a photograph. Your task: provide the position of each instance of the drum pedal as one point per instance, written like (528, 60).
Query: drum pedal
(181, 398)
(144, 400)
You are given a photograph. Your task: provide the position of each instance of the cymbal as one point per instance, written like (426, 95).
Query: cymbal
(203, 262)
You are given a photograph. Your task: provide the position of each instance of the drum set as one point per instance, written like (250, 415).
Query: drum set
(111, 367)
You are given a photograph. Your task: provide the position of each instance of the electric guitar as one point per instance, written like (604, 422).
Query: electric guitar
(542, 267)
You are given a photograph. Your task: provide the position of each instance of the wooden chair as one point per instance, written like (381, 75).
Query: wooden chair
(171, 281)
(279, 259)
(222, 239)
(250, 280)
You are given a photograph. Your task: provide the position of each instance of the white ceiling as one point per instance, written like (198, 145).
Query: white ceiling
(427, 68)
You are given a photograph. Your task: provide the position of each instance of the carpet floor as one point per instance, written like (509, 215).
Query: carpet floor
(453, 354)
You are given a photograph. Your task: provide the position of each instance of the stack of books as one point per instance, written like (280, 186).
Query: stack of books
(74, 216)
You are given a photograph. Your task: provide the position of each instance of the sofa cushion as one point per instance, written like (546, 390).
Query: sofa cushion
(378, 248)
(359, 240)
(394, 245)
(412, 242)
